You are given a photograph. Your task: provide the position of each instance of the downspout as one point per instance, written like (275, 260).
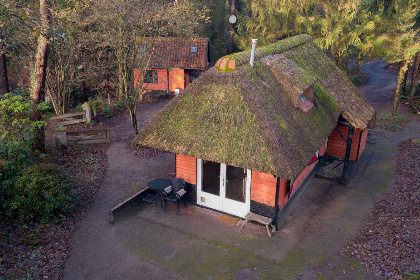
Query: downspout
(254, 46)
(276, 204)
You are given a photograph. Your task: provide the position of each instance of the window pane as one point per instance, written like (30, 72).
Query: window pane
(235, 183)
(211, 177)
(150, 77)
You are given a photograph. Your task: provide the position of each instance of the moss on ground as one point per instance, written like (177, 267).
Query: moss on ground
(196, 257)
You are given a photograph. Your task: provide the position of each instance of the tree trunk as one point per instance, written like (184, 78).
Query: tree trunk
(231, 30)
(415, 75)
(404, 84)
(133, 119)
(38, 90)
(4, 81)
(401, 74)
(359, 67)
(83, 91)
(120, 83)
(107, 78)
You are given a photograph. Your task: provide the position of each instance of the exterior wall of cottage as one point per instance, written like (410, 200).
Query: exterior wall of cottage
(337, 146)
(363, 141)
(263, 185)
(286, 188)
(176, 79)
(162, 80)
(186, 168)
(263, 188)
(186, 77)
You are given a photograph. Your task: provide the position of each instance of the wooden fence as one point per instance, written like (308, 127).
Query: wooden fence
(94, 136)
(84, 116)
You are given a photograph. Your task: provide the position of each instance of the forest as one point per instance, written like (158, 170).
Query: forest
(56, 55)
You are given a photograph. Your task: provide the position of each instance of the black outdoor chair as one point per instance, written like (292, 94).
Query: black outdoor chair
(151, 198)
(175, 193)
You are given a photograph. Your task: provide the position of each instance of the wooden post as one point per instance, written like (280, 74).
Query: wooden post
(60, 136)
(88, 114)
(107, 136)
(348, 151)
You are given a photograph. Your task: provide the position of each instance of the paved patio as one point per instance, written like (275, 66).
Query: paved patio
(198, 245)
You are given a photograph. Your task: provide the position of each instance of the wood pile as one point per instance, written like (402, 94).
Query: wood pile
(413, 102)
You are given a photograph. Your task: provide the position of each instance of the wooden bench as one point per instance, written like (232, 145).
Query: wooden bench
(259, 219)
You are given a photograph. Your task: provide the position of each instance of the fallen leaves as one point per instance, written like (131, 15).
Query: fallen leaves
(40, 251)
(389, 242)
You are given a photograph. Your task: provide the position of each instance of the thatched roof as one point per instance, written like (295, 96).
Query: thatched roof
(248, 117)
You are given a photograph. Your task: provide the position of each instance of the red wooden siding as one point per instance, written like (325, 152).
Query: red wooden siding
(187, 78)
(283, 193)
(337, 146)
(263, 188)
(363, 141)
(162, 80)
(186, 168)
(285, 187)
(176, 79)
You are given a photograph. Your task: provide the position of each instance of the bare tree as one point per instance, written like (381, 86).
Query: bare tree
(61, 72)
(38, 89)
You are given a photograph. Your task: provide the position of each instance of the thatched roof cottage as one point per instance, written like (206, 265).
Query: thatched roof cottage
(247, 138)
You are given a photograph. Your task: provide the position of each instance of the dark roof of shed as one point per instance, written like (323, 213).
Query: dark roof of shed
(173, 52)
(247, 117)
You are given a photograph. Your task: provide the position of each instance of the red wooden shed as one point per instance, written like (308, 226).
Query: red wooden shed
(248, 138)
(175, 62)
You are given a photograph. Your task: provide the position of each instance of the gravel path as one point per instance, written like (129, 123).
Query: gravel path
(382, 83)
(95, 251)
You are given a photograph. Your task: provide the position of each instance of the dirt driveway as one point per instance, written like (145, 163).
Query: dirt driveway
(197, 245)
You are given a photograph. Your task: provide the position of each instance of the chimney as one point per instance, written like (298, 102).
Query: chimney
(254, 46)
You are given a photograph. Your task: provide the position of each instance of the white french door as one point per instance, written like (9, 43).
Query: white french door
(223, 187)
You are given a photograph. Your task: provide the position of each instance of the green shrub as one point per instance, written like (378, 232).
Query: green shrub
(392, 123)
(15, 122)
(14, 158)
(109, 111)
(41, 194)
(356, 80)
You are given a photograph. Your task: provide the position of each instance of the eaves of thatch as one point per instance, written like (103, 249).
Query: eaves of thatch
(250, 118)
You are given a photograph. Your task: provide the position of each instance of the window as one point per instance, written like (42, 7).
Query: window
(305, 103)
(150, 77)
(142, 48)
(194, 50)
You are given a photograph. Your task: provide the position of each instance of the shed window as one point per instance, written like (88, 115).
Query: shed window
(151, 77)
(142, 48)
(194, 50)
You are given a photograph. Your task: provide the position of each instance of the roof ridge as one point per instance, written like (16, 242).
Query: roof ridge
(175, 38)
(230, 62)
